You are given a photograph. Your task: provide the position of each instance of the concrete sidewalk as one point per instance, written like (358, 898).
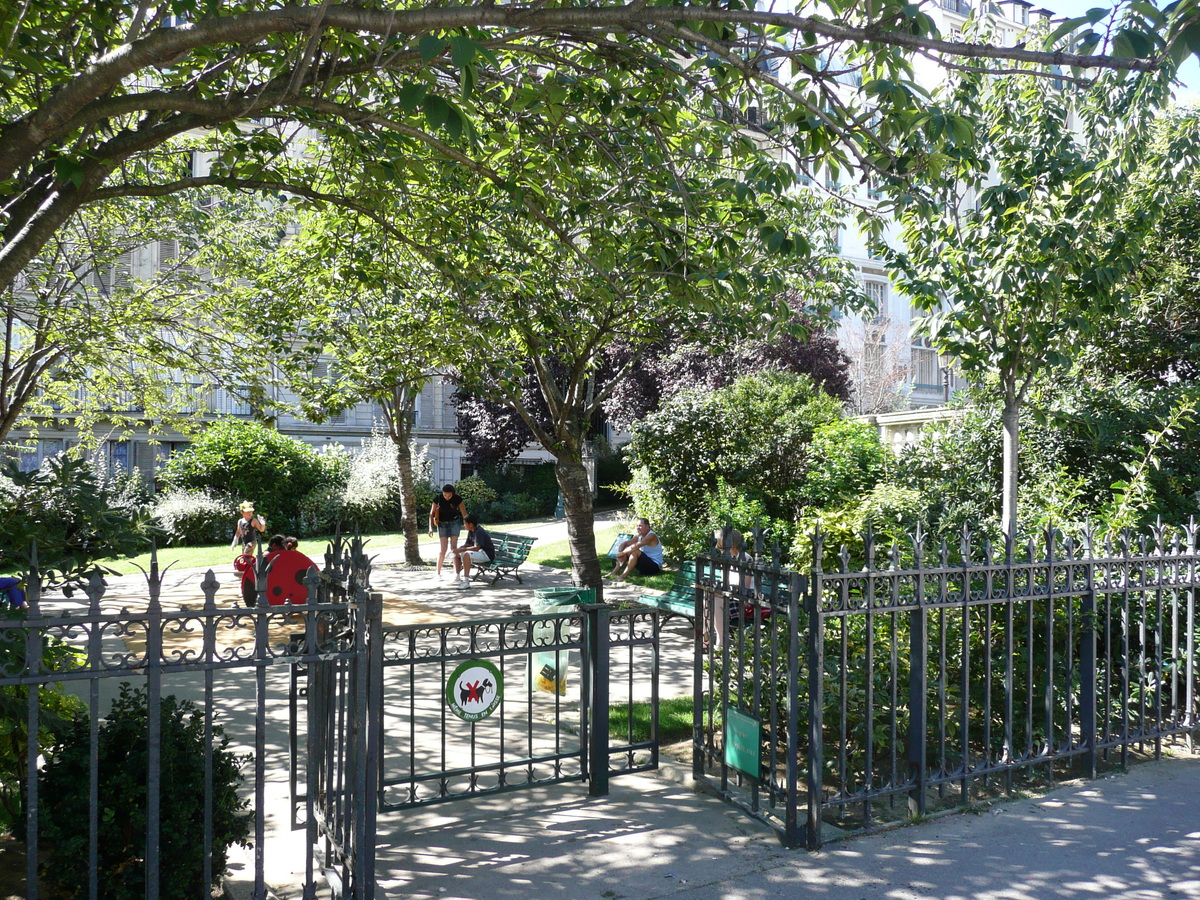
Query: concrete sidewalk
(1130, 837)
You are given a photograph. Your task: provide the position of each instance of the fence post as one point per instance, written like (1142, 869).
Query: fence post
(1087, 666)
(799, 588)
(372, 740)
(918, 649)
(598, 616)
(816, 700)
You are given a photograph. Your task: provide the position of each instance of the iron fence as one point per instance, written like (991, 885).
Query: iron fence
(231, 662)
(554, 676)
(841, 701)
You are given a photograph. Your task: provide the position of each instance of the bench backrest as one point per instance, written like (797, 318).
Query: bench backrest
(616, 545)
(512, 546)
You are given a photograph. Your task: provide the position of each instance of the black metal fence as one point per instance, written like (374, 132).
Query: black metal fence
(232, 663)
(556, 675)
(843, 701)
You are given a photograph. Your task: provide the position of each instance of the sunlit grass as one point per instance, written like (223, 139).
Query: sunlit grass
(674, 720)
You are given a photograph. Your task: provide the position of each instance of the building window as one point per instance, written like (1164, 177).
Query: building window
(34, 453)
(877, 294)
(119, 458)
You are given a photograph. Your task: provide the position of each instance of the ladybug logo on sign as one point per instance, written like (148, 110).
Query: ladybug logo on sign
(474, 689)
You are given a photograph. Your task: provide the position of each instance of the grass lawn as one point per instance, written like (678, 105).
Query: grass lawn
(213, 555)
(674, 720)
(557, 554)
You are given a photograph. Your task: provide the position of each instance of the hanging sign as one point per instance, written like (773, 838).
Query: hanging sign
(743, 740)
(474, 689)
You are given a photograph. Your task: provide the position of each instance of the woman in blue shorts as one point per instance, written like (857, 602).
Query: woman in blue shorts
(446, 515)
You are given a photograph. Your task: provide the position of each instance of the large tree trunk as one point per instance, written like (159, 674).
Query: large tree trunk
(398, 411)
(1010, 421)
(408, 502)
(577, 502)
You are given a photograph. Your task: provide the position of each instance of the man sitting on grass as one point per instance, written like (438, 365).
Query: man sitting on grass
(478, 549)
(643, 552)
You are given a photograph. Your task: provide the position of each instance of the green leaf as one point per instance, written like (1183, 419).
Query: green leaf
(69, 169)
(431, 47)
(436, 110)
(462, 51)
(410, 96)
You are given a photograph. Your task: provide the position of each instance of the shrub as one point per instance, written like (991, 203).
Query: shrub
(63, 509)
(846, 459)
(320, 511)
(754, 435)
(889, 511)
(57, 709)
(123, 768)
(251, 462)
(190, 518)
(476, 494)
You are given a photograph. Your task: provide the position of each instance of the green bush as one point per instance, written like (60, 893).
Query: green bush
(477, 496)
(889, 511)
(321, 510)
(753, 436)
(123, 769)
(57, 710)
(846, 459)
(63, 508)
(191, 518)
(251, 462)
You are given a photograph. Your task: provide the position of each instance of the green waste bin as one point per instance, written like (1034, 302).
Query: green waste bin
(545, 599)
(548, 670)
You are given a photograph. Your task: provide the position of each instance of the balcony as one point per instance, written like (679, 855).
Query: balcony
(958, 7)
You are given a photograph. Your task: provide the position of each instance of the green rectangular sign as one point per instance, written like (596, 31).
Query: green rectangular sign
(743, 738)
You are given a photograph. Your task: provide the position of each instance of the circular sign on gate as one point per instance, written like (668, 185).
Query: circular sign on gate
(474, 689)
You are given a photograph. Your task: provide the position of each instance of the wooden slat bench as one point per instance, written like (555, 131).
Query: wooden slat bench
(511, 551)
(680, 598)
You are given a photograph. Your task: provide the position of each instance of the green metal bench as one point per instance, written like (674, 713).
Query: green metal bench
(511, 551)
(680, 598)
(616, 545)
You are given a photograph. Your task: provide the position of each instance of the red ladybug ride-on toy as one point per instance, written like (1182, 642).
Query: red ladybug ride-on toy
(286, 571)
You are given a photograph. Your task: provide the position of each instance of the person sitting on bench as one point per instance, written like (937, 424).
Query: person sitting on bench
(478, 549)
(643, 551)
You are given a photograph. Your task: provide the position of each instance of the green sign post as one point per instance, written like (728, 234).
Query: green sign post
(474, 689)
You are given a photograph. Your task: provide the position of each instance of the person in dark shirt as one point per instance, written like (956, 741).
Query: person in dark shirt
(446, 515)
(478, 548)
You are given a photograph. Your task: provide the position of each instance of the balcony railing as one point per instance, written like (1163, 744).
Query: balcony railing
(956, 6)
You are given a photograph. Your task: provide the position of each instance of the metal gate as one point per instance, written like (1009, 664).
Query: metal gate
(541, 709)
(381, 729)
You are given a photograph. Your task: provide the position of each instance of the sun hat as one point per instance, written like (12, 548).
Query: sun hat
(247, 506)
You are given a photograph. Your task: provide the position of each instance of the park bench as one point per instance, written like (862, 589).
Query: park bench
(616, 545)
(511, 551)
(680, 598)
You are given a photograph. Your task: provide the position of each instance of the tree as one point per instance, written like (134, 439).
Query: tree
(89, 335)
(1028, 253)
(1159, 342)
(351, 315)
(880, 357)
(808, 349)
(92, 95)
(494, 434)
(685, 246)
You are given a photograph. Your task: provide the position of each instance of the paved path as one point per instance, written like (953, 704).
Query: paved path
(1132, 837)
